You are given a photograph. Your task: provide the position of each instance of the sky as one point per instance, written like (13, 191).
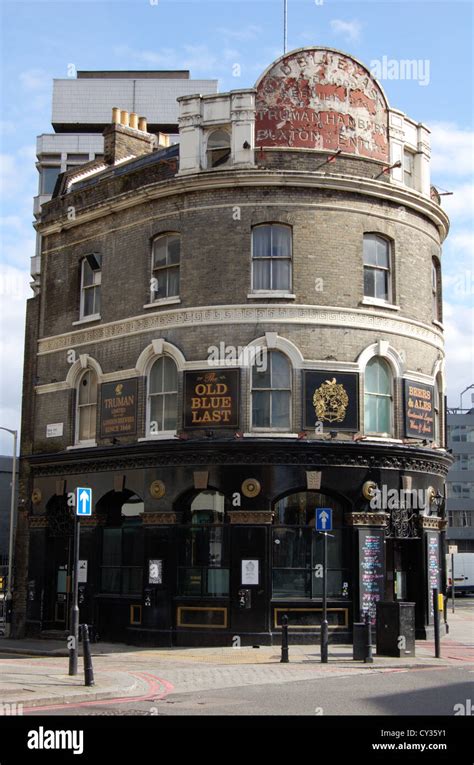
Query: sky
(40, 41)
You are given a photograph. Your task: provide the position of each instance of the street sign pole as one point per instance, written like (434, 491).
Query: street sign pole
(324, 621)
(73, 651)
(452, 581)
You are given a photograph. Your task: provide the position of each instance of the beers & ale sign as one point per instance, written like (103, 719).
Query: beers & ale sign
(419, 410)
(211, 399)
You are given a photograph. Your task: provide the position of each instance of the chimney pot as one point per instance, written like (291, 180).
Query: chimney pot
(142, 124)
(133, 123)
(116, 115)
(124, 118)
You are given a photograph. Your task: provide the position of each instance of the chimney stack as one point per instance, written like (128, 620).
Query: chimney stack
(126, 137)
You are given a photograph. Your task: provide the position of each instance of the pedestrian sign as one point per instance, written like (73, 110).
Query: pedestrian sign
(323, 519)
(83, 501)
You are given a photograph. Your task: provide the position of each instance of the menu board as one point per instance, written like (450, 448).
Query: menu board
(372, 571)
(432, 562)
(419, 410)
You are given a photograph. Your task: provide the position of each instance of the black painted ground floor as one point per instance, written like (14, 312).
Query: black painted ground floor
(211, 544)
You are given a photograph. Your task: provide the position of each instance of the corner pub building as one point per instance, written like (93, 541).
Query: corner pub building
(229, 334)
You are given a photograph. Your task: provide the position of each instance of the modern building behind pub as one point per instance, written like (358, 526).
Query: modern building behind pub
(232, 338)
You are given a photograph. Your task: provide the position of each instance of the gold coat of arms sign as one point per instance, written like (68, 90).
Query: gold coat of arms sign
(332, 399)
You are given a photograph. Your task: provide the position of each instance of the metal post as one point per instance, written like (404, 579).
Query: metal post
(9, 595)
(285, 25)
(452, 583)
(74, 631)
(436, 623)
(368, 659)
(324, 621)
(284, 640)
(86, 652)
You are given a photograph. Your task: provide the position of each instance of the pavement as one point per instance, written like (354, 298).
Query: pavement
(34, 673)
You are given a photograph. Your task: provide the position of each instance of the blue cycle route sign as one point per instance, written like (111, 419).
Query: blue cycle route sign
(323, 519)
(83, 501)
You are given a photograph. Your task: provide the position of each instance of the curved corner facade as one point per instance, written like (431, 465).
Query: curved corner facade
(233, 340)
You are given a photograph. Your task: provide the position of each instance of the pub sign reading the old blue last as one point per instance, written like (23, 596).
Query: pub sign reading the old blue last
(332, 399)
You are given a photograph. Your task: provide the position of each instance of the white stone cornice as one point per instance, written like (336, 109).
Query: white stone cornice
(222, 179)
(290, 315)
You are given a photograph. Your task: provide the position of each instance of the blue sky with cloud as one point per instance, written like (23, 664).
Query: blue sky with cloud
(41, 39)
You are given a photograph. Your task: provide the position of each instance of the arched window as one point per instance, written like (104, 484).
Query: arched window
(122, 542)
(162, 396)
(271, 257)
(436, 300)
(204, 549)
(297, 550)
(86, 407)
(271, 393)
(218, 148)
(378, 397)
(165, 267)
(377, 268)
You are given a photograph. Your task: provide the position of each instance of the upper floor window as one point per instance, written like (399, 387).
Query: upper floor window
(409, 168)
(49, 176)
(91, 277)
(436, 290)
(271, 257)
(165, 269)
(377, 277)
(163, 396)
(271, 393)
(86, 408)
(378, 397)
(218, 148)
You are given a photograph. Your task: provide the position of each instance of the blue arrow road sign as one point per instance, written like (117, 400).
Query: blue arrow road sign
(83, 501)
(323, 519)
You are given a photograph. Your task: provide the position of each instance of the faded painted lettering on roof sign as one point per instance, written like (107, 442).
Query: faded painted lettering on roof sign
(321, 99)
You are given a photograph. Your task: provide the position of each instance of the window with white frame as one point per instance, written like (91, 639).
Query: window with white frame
(378, 399)
(409, 168)
(86, 407)
(218, 148)
(271, 257)
(377, 268)
(271, 393)
(162, 396)
(91, 278)
(436, 289)
(166, 258)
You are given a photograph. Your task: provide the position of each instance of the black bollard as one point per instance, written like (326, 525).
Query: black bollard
(368, 659)
(284, 640)
(86, 650)
(436, 623)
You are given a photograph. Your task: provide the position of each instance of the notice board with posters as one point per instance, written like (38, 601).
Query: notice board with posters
(371, 570)
(211, 398)
(118, 408)
(433, 569)
(418, 410)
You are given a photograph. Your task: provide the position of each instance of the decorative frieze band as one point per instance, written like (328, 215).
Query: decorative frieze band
(251, 517)
(366, 519)
(245, 314)
(231, 456)
(160, 519)
(432, 523)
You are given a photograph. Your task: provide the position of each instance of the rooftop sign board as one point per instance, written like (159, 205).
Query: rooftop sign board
(319, 98)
